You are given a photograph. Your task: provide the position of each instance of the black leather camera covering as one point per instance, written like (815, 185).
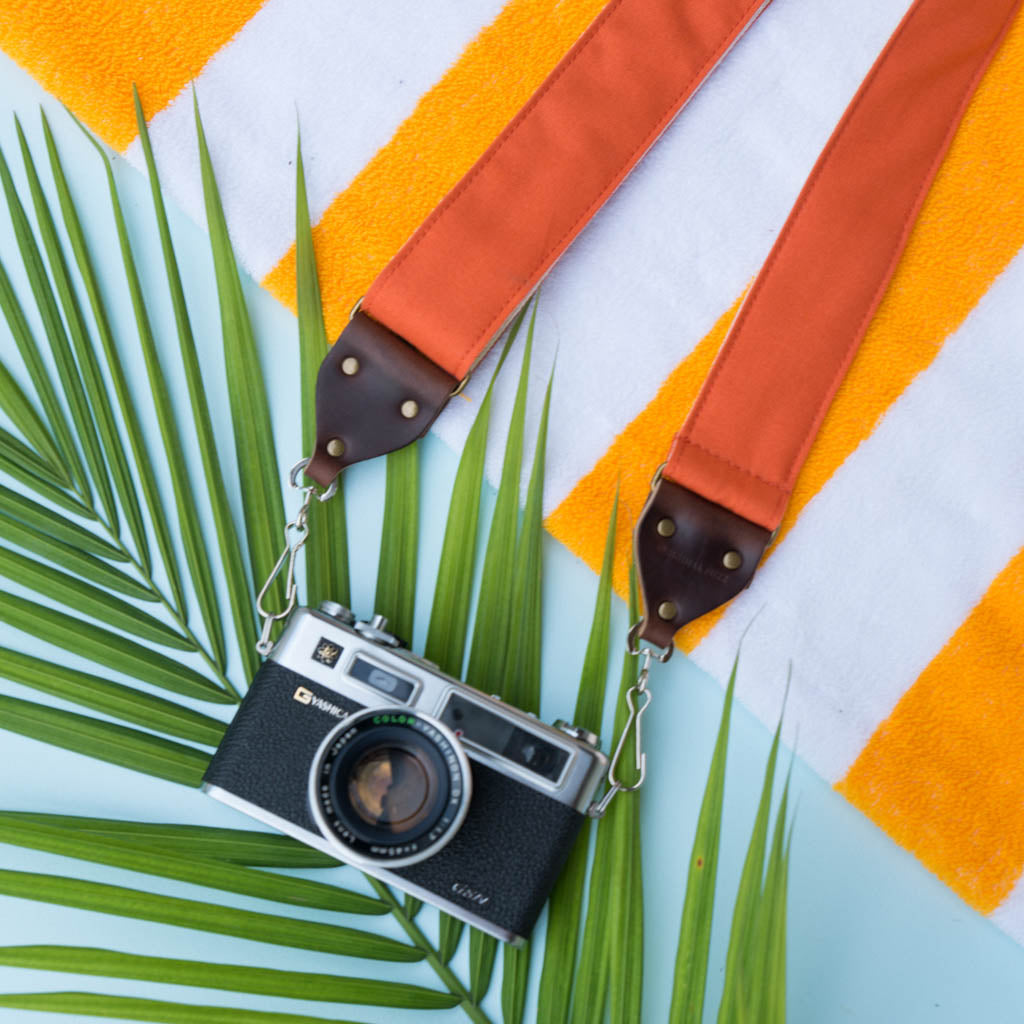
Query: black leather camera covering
(511, 847)
(266, 753)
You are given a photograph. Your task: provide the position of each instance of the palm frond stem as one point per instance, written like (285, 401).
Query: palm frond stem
(447, 976)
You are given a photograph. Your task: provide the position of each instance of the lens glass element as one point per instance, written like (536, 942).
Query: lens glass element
(390, 786)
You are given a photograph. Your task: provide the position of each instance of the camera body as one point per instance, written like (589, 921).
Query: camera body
(357, 747)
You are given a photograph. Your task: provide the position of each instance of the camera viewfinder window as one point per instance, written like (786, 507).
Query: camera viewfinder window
(380, 679)
(486, 729)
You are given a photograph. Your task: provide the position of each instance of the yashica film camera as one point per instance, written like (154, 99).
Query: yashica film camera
(373, 755)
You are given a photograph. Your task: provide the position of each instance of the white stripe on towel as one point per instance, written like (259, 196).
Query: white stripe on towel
(350, 73)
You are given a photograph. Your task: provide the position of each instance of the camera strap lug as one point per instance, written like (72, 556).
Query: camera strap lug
(638, 700)
(295, 534)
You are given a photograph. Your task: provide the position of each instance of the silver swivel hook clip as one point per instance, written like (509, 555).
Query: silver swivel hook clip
(295, 534)
(638, 700)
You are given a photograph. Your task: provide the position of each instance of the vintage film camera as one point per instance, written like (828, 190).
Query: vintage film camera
(365, 751)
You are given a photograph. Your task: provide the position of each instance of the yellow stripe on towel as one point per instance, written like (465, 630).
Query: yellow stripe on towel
(452, 125)
(971, 226)
(88, 53)
(943, 774)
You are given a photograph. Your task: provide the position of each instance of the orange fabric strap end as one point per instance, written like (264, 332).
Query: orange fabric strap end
(484, 249)
(751, 427)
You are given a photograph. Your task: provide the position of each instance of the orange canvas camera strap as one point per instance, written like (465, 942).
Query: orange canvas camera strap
(441, 302)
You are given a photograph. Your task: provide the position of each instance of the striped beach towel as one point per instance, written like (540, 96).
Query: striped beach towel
(896, 585)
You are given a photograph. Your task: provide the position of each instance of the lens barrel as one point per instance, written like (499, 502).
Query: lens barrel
(390, 787)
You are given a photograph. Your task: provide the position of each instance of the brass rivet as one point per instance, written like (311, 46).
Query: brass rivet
(732, 559)
(350, 366)
(666, 527)
(336, 447)
(667, 611)
(410, 409)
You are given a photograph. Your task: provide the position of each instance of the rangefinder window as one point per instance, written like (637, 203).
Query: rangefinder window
(480, 726)
(380, 679)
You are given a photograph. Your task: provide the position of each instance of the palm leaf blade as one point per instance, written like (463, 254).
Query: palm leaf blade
(258, 476)
(748, 894)
(493, 614)
(299, 892)
(52, 524)
(449, 614)
(92, 377)
(527, 611)
(487, 657)
(207, 917)
(567, 897)
(162, 1012)
(87, 599)
(129, 748)
(626, 907)
(67, 451)
(23, 415)
(229, 977)
(524, 667)
(110, 698)
(55, 550)
(21, 463)
(108, 649)
(240, 594)
(760, 981)
(73, 378)
(231, 845)
(158, 518)
(187, 518)
(396, 570)
(327, 573)
(691, 967)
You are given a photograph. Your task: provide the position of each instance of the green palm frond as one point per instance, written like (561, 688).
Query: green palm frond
(259, 477)
(230, 564)
(106, 741)
(327, 546)
(230, 845)
(159, 1011)
(327, 988)
(300, 892)
(488, 668)
(70, 381)
(157, 518)
(104, 450)
(103, 562)
(624, 955)
(566, 904)
(399, 541)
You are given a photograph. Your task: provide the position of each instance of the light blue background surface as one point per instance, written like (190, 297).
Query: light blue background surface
(872, 936)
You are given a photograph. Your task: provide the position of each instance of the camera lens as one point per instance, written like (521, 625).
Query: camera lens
(390, 787)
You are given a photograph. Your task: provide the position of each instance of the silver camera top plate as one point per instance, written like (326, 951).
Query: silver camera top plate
(359, 664)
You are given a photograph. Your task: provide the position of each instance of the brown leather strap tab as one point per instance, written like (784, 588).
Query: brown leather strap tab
(692, 555)
(374, 394)
(472, 263)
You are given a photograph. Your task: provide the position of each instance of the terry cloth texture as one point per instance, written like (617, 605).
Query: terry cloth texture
(896, 586)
